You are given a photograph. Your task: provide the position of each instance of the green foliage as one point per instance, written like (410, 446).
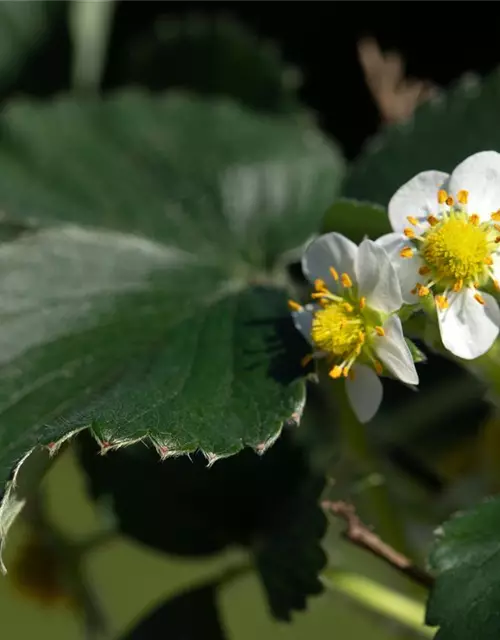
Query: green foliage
(356, 219)
(142, 295)
(212, 57)
(466, 559)
(268, 505)
(442, 133)
(291, 559)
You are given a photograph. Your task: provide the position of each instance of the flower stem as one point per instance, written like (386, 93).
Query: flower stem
(378, 503)
(379, 598)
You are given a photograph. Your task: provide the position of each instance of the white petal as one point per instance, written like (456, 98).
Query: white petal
(468, 329)
(417, 198)
(480, 176)
(377, 278)
(364, 392)
(329, 250)
(406, 268)
(496, 266)
(394, 352)
(303, 320)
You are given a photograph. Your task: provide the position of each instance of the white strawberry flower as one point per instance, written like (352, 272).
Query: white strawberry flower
(352, 321)
(446, 243)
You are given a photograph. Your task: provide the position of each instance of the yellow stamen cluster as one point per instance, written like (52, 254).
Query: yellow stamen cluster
(456, 248)
(341, 327)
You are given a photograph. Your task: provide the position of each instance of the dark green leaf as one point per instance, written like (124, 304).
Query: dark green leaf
(211, 57)
(233, 502)
(442, 133)
(191, 615)
(162, 318)
(233, 188)
(268, 504)
(356, 219)
(290, 559)
(466, 559)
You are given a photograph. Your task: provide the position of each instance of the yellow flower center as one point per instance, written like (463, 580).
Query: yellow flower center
(456, 249)
(337, 331)
(344, 326)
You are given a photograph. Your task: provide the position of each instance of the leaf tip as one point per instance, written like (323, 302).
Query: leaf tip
(212, 458)
(296, 417)
(262, 447)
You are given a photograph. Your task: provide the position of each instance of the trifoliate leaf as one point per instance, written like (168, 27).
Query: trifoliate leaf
(442, 133)
(466, 560)
(142, 297)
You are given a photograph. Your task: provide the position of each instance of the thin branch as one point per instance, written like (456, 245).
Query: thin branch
(360, 535)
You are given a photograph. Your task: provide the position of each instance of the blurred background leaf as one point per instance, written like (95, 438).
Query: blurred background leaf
(441, 133)
(267, 504)
(356, 219)
(290, 560)
(210, 56)
(25, 27)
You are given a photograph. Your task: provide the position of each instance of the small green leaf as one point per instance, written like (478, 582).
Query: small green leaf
(143, 295)
(190, 615)
(442, 133)
(466, 559)
(210, 57)
(356, 219)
